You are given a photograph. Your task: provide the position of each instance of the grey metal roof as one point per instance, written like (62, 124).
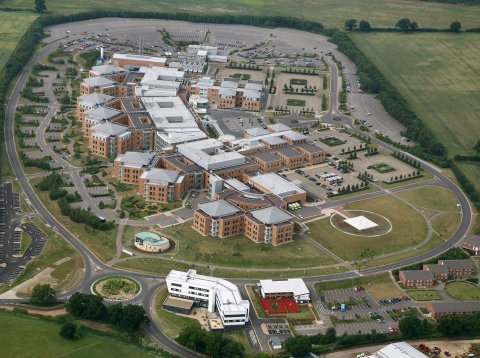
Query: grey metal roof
(160, 176)
(138, 158)
(218, 208)
(107, 69)
(417, 275)
(279, 127)
(271, 215)
(273, 140)
(437, 269)
(256, 131)
(456, 307)
(95, 98)
(110, 128)
(103, 113)
(98, 81)
(288, 152)
(295, 136)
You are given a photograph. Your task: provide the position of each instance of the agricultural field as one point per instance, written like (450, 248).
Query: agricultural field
(12, 27)
(438, 74)
(44, 341)
(329, 12)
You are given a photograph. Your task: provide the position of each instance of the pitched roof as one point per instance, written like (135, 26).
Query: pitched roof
(473, 240)
(160, 176)
(436, 269)
(110, 129)
(417, 275)
(271, 215)
(107, 69)
(218, 208)
(279, 127)
(295, 136)
(139, 159)
(95, 98)
(466, 264)
(273, 140)
(98, 81)
(256, 131)
(102, 113)
(456, 307)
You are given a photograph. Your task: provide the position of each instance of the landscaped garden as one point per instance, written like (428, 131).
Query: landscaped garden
(137, 207)
(295, 102)
(424, 295)
(116, 288)
(382, 168)
(332, 141)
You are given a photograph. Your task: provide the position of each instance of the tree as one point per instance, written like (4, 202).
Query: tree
(410, 327)
(298, 346)
(455, 26)
(86, 306)
(364, 26)
(40, 6)
(476, 147)
(43, 295)
(133, 316)
(69, 331)
(350, 24)
(330, 335)
(413, 26)
(404, 24)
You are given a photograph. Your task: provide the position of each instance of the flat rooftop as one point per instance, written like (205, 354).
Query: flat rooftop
(276, 184)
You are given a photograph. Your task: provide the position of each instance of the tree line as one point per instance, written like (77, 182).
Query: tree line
(402, 25)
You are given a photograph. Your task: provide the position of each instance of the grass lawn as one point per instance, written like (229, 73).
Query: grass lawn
(446, 224)
(472, 172)
(239, 251)
(382, 168)
(331, 13)
(44, 341)
(25, 242)
(276, 274)
(424, 295)
(168, 322)
(408, 229)
(102, 243)
(438, 74)
(158, 266)
(431, 197)
(378, 286)
(463, 291)
(55, 249)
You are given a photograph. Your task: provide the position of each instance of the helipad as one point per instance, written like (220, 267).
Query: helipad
(361, 223)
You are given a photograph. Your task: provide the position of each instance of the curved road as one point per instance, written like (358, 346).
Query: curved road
(94, 268)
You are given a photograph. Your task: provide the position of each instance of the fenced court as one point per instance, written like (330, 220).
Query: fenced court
(281, 305)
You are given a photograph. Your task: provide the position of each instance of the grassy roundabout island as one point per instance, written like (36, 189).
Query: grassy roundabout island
(116, 288)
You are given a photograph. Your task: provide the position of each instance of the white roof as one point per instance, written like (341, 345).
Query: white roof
(294, 285)
(160, 176)
(155, 74)
(227, 91)
(360, 223)
(253, 86)
(271, 215)
(227, 293)
(276, 184)
(218, 208)
(98, 81)
(279, 127)
(210, 154)
(110, 129)
(227, 83)
(237, 184)
(400, 350)
(127, 56)
(135, 159)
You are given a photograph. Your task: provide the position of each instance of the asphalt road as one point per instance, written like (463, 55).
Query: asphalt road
(95, 269)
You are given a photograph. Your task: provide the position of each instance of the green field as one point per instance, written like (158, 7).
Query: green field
(408, 229)
(438, 74)
(424, 295)
(30, 337)
(329, 12)
(431, 197)
(463, 291)
(239, 251)
(12, 27)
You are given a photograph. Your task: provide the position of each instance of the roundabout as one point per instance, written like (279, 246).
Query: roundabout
(376, 224)
(116, 288)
